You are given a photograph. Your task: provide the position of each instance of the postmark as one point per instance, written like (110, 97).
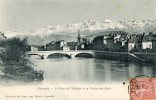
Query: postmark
(142, 88)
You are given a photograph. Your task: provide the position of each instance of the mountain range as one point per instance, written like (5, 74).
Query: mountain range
(68, 32)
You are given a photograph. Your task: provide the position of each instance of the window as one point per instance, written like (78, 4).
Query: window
(82, 46)
(123, 43)
(115, 41)
(105, 41)
(150, 46)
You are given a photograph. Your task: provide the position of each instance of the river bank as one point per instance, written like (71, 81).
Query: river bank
(120, 56)
(28, 75)
(139, 57)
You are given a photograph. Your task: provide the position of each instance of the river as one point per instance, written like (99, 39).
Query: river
(87, 70)
(90, 70)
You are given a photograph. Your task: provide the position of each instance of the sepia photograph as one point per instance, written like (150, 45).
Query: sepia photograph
(77, 49)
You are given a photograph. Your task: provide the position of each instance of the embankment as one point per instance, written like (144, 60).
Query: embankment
(142, 57)
(120, 56)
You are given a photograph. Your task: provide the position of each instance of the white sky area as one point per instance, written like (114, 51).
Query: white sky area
(31, 15)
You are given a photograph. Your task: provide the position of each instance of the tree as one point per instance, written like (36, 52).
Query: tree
(14, 59)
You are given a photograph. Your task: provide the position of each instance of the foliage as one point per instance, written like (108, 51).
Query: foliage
(14, 59)
(13, 55)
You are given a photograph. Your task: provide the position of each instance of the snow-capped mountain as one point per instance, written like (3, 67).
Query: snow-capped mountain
(103, 25)
(140, 26)
(90, 25)
(87, 28)
(15, 33)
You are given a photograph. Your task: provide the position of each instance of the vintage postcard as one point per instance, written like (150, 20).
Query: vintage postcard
(77, 49)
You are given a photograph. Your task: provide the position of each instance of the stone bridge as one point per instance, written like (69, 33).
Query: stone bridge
(72, 53)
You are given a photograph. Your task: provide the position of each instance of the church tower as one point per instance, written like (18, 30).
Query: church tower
(78, 37)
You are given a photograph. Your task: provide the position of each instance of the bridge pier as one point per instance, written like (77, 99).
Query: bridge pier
(72, 55)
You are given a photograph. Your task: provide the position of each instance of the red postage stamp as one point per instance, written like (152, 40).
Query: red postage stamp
(142, 88)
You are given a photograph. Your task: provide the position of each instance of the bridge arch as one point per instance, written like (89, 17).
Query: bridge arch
(85, 55)
(41, 56)
(58, 55)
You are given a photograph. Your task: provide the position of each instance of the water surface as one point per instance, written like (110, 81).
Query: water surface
(90, 70)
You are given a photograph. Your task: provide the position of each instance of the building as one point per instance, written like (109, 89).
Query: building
(55, 45)
(98, 43)
(72, 45)
(41, 48)
(149, 42)
(111, 41)
(135, 42)
(104, 43)
(82, 43)
(80, 46)
(34, 48)
(78, 37)
(66, 47)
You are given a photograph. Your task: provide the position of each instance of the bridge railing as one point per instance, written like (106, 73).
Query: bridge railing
(61, 51)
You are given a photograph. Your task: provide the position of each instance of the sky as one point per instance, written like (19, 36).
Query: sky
(31, 15)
